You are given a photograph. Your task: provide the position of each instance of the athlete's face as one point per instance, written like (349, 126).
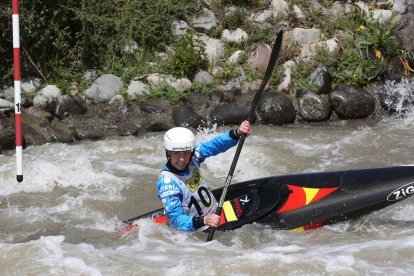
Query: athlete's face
(179, 159)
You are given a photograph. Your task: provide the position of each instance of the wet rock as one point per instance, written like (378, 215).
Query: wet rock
(157, 125)
(127, 128)
(232, 89)
(314, 107)
(228, 114)
(185, 116)
(119, 105)
(38, 114)
(217, 97)
(32, 136)
(396, 70)
(58, 135)
(87, 133)
(7, 139)
(199, 102)
(276, 109)
(351, 102)
(152, 107)
(67, 105)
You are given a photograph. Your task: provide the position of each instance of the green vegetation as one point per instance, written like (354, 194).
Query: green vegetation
(235, 19)
(225, 73)
(75, 35)
(187, 59)
(166, 90)
(365, 48)
(60, 40)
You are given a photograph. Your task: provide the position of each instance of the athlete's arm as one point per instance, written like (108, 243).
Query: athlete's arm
(222, 142)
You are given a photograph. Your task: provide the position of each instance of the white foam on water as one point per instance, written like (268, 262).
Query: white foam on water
(87, 182)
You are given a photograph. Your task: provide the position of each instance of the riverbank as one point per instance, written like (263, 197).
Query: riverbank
(105, 105)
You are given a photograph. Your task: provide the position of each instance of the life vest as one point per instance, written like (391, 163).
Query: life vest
(197, 199)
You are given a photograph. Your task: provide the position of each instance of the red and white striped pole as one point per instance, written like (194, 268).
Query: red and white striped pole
(17, 90)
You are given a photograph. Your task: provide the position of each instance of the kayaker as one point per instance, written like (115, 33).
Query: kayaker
(183, 191)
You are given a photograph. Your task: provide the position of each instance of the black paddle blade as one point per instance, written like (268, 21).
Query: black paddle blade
(270, 66)
(269, 70)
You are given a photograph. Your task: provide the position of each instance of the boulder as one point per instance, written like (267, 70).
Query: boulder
(352, 102)
(82, 133)
(67, 105)
(30, 85)
(126, 128)
(228, 114)
(235, 36)
(203, 77)
(104, 88)
(205, 21)
(185, 116)
(276, 109)
(58, 135)
(314, 107)
(32, 136)
(7, 139)
(213, 48)
(259, 58)
(137, 89)
(47, 97)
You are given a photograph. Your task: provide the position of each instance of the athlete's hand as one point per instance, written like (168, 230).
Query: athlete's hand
(244, 128)
(212, 220)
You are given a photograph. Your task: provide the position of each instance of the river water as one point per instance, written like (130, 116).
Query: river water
(64, 218)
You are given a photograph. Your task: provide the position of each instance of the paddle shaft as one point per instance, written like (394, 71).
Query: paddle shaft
(270, 66)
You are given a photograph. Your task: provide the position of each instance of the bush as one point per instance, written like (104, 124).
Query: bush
(82, 34)
(188, 58)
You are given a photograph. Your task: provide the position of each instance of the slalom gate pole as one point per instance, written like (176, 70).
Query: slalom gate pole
(17, 90)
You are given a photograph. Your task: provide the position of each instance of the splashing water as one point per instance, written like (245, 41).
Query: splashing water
(399, 96)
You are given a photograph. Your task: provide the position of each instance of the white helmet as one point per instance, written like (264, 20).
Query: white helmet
(179, 139)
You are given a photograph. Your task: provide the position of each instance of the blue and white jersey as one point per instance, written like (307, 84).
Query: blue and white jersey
(186, 194)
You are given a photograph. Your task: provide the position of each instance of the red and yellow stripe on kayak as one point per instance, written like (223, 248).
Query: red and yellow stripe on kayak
(302, 196)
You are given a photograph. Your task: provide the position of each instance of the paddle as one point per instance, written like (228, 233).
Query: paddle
(270, 66)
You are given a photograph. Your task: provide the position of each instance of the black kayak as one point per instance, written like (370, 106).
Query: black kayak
(310, 200)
